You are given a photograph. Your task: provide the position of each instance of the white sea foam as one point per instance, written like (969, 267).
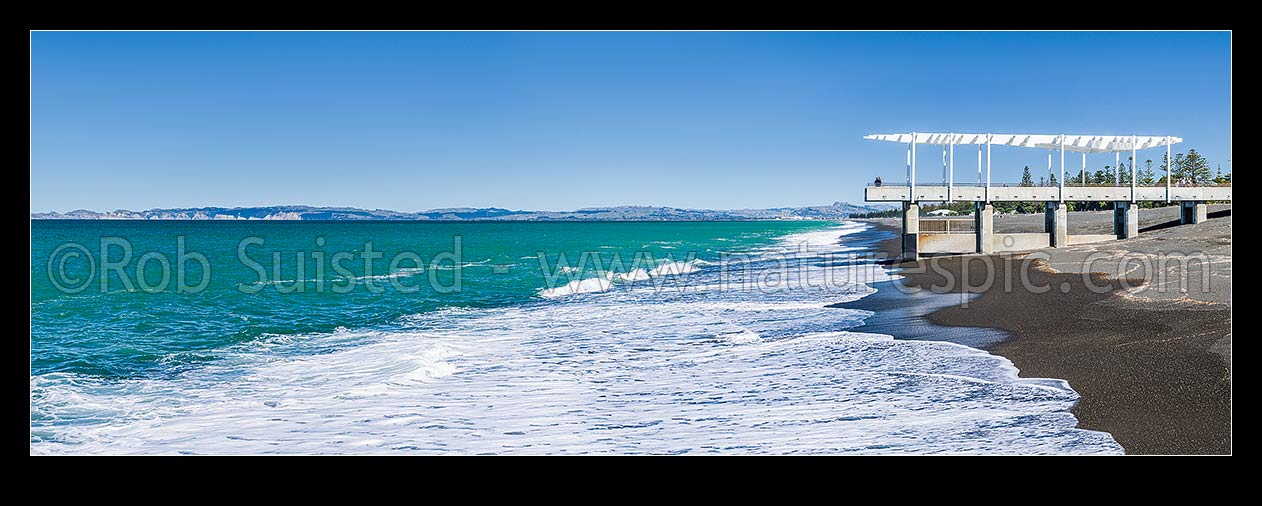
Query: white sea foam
(620, 370)
(451, 266)
(604, 282)
(401, 273)
(634, 275)
(675, 268)
(818, 241)
(279, 282)
(587, 285)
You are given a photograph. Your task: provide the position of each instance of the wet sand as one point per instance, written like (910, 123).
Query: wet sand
(1147, 347)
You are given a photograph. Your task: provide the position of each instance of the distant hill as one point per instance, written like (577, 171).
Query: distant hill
(619, 213)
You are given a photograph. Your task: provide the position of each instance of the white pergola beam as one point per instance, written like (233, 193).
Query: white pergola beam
(1084, 169)
(979, 165)
(951, 173)
(987, 168)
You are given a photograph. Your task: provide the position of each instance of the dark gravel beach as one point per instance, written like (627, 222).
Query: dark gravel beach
(1144, 337)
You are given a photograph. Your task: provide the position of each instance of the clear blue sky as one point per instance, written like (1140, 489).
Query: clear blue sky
(561, 120)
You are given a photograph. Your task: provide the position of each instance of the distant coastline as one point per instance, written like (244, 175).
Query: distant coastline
(838, 210)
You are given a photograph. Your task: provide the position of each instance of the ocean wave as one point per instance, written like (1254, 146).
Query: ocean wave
(484, 385)
(588, 285)
(633, 275)
(818, 241)
(450, 266)
(733, 370)
(676, 268)
(374, 277)
(742, 337)
(402, 272)
(604, 282)
(267, 282)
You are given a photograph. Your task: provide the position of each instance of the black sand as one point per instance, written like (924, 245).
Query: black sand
(1151, 361)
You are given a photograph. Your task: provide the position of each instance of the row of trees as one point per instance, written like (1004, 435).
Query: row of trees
(889, 213)
(1190, 169)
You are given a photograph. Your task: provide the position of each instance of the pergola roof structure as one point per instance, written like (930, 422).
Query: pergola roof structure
(1074, 143)
(1083, 144)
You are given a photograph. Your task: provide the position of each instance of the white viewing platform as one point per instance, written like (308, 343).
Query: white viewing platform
(936, 193)
(1124, 193)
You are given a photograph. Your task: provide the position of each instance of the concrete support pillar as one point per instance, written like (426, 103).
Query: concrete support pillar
(1055, 222)
(984, 225)
(1125, 219)
(911, 231)
(1193, 212)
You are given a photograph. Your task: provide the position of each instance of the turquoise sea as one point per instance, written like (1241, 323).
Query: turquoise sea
(208, 337)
